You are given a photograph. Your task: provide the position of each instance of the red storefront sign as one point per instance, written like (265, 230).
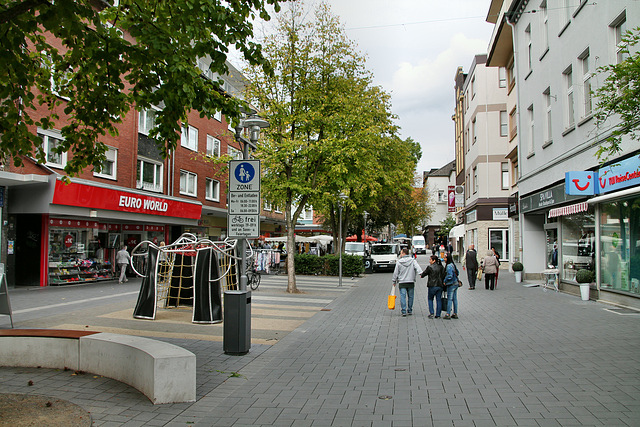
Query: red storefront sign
(158, 228)
(132, 227)
(68, 240)
(74, 194)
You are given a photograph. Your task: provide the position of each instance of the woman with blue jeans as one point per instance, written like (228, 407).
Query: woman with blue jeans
(404, 275)
(451, 282)
(435, 274)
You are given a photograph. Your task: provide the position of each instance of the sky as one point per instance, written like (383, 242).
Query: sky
(413, 49)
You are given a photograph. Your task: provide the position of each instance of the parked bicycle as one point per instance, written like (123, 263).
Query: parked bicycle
(253, 277)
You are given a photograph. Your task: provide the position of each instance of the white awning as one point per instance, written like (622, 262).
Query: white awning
(568, 210)
(457, 231)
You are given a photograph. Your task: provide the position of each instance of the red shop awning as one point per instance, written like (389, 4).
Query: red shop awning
(568, 210)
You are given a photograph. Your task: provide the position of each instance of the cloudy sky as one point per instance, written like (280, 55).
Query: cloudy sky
(414, 48)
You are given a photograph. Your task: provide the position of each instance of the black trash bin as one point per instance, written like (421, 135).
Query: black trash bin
(368, 265)
(237, 322)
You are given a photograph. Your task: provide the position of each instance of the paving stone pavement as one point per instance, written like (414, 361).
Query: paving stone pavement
(517, 356)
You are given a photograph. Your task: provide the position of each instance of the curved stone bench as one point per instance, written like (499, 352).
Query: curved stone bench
(163, 372)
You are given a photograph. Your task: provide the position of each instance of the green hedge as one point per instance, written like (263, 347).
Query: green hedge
(329, 265)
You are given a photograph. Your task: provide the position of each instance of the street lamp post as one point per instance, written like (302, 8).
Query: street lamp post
(342, 198)
(364, 230)
(254, 124)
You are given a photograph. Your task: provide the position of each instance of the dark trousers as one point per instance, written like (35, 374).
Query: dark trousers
(489, 280)
(471, 275)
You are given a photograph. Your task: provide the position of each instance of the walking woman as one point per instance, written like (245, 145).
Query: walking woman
(435, 274)
(451, 284)
(490, 268)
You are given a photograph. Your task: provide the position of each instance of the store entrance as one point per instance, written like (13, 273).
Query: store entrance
(552, 246)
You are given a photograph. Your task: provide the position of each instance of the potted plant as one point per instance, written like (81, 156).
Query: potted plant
(584, 278)
(517, 268)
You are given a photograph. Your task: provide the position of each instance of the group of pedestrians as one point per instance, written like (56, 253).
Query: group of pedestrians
(489, 265)
(439, 278)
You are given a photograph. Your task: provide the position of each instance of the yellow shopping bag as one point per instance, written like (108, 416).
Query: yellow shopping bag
(391, 301)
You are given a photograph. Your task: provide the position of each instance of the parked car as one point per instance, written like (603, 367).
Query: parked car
(384, 255)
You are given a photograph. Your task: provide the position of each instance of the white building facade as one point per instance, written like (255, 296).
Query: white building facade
(558, 47)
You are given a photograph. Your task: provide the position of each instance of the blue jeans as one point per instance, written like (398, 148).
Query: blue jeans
(404, 292)
(435, 292)
(452, 296)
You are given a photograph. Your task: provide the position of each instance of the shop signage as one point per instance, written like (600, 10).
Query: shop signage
(157, 228)
(74, 194)
(243, 217)
(545, 199)
(68, 240)
(451, 198)
(580, 183)
(623, 174)
(500, 214)
(471, 216)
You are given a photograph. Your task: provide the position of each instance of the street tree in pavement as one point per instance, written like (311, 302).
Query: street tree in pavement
(88, 62)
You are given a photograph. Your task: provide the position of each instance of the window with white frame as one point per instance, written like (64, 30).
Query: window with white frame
(513, 124)
(527, 38)
(442, 196)
(474, 136)
(504, 123)
(213, 146)
(109, 166)
(146, 121)
(188, 183)
(531, 128)
(149, 175)
(548, 134)
(212, 190)
(234, 153)
(569, 110)
(267, 206)
(511, 74)
(514, 172)
(505, 175)
(567, 8)
(502, 77)
(473, 87)
(189, 137)
(586, 84)
(619, 27)
(218, 116)
(50, 141)
(307, 214)
(475, 179)
(544, 27)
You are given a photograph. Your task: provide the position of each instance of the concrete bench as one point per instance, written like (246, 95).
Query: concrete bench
(164, 372)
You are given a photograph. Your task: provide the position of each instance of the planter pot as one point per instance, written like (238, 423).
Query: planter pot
(584, 291)
(518, 276)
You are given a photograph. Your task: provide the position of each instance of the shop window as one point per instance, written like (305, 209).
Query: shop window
(109, 166)
(50, 142)
(578, 243)
(499, 240)
(188, 183)
(620, 245)
(212, 190)
(149, 176)
(189, 138)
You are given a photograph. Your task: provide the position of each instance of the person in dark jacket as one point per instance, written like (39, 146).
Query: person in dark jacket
(435, 274)
(470, 263)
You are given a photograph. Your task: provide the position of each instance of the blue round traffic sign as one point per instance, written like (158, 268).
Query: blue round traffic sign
(244, 172)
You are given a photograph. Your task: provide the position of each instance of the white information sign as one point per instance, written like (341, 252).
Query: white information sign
(244, 199)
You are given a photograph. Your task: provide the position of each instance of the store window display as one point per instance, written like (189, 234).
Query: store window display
(578, 243)
(620, 241)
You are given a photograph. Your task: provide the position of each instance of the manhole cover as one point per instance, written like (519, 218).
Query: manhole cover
(624, 311)
(385, 397)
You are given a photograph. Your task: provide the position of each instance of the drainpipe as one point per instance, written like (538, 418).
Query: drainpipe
(519, 124)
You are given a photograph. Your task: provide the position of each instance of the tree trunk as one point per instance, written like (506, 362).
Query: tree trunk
(291, 250)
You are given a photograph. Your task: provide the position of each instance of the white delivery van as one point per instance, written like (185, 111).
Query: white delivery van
(354, 248)
(384, 256)
(419, 245)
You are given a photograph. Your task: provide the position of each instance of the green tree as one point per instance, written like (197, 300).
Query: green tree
(103, 60)
(446, 225)
(322, 110)
(619, 96)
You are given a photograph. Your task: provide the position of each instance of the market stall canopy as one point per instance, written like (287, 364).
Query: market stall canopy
(354, 238)
(283, 239)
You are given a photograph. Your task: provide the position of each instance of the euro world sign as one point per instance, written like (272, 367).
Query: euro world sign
(580, 183)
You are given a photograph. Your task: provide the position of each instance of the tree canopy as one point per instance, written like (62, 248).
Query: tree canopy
(331, 131)
(619, 96)
(86, 63)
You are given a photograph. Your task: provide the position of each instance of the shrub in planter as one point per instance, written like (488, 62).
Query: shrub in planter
(517, 266)
(351, 265)
(584, 276)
